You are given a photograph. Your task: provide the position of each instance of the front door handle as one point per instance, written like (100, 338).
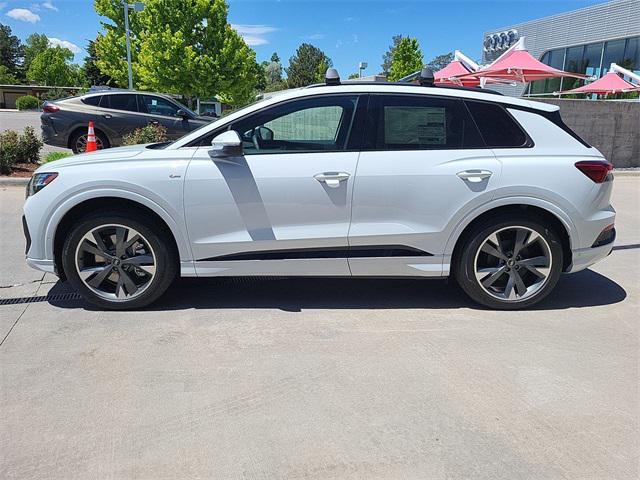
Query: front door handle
(475, 176)
(107, 116)
(332, 179)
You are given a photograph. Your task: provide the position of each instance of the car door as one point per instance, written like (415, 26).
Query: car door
(284, 206)
(163, 112)
(118, 115)
(423, 163)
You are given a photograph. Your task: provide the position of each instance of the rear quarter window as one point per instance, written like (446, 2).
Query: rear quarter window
(93, 101)
(497, 127)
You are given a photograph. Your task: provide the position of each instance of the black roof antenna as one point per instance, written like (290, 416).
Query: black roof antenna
(332, 77)
(426, 77)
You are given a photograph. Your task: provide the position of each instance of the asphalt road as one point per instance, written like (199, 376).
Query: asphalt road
(14, 120)
(322, 379)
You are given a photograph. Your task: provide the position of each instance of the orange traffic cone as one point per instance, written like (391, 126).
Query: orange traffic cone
(92, 145)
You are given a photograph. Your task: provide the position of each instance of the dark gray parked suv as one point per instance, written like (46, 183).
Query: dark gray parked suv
(114, 113)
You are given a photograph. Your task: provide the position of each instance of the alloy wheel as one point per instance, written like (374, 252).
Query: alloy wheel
(513, 263)
(115, 262)
(81, 143)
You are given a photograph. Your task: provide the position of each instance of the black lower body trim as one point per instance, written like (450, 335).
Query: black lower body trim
(332, 252)
(27, 236)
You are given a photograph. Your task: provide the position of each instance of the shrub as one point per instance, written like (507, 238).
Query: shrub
(29, 146)
(53, 156)
(8, 150)
(148, 134)
(56, 94)
(28, 102)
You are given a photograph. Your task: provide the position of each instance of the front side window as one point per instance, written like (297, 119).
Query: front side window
(158, 106)
(307, 125)
(125, 101)
(410, 122)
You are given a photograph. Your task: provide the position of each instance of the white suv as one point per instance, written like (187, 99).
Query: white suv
(351, 179)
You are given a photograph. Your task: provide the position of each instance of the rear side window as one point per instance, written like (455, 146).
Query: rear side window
(94, 101)
(498, 128)
(125, 101)
(412, 122)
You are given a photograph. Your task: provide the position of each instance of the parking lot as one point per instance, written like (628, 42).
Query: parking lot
(322, 378)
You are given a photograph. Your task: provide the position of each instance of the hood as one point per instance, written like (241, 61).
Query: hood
(100, 156)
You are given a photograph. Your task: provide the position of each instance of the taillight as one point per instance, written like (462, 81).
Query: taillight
(596, 170)
(50, 108)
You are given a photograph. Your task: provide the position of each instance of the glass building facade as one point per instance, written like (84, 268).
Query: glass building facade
(593, 59)
(586, 41)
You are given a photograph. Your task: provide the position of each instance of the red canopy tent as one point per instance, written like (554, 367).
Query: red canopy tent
(518, 65)
(610, 83)
(455, 69)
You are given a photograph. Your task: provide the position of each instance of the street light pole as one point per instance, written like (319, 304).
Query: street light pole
(126, 30)
(138, 7)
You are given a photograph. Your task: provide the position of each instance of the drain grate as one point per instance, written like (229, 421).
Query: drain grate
(56, 297)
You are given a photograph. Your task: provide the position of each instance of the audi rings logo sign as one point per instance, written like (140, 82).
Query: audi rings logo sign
(499, 42)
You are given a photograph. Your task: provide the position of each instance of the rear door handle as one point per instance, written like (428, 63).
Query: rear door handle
(107, 116)
(332, 179)
(474, 176)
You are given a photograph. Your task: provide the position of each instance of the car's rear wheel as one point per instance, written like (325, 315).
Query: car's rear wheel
(79, 141)
(119, 261)
(509, 263)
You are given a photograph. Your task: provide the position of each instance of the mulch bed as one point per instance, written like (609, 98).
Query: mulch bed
(24, 170)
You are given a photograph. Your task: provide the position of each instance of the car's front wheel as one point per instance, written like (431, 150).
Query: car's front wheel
(509, 263)
(119, 261)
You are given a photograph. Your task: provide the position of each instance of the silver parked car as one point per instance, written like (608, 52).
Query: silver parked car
(115, 114)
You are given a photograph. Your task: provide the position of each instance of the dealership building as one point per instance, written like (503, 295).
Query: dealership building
(585, 41)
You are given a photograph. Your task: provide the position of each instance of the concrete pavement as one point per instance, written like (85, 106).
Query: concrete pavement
(16, 120)
(322, 378)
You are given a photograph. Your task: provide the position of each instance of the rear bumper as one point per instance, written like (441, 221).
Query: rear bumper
(585, 257)
(51, 137)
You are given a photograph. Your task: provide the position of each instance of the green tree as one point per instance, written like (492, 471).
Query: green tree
(441, 61)
(6, 77)
(35, 44)
(307, 66)
(407, 59)
(388, 56)
(90, 71)
(187, 48)
(275, 57)
(353, 76)
(11, 53)
(52, 67)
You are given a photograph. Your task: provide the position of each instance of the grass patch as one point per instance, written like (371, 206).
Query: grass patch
(53, 156)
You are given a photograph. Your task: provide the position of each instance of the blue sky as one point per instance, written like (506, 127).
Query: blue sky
(348, 31)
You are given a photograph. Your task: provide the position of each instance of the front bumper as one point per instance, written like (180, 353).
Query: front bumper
(43, 265)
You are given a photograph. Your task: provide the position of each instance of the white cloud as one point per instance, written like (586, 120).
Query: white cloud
(254, 34)
(49, 6)
(56, 42)
(313, 36)
(24, 15)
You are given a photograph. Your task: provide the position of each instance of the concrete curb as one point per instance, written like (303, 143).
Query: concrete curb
(633, 172)
(13, 181)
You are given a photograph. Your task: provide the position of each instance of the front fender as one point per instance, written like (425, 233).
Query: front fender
(172, 217)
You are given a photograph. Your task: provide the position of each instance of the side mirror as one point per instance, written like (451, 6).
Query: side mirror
(227, 144)
(183, 114)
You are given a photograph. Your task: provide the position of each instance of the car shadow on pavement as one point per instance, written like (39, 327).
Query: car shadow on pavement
(583, 289)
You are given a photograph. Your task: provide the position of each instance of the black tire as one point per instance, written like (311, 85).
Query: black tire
(464, 262)
(166, 257)
(101, 138)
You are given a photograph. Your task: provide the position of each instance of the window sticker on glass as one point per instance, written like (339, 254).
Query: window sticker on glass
(415, 125)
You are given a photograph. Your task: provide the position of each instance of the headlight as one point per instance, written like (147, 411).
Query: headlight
(38, 182)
